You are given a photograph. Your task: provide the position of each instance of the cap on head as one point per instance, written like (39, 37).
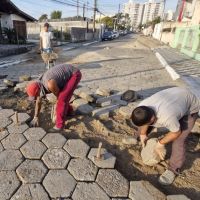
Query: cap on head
(33, 90)
(46, 25)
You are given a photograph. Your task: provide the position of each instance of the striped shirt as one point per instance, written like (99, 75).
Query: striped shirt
(60, 73)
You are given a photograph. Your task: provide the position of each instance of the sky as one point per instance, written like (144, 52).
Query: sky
(36, 8)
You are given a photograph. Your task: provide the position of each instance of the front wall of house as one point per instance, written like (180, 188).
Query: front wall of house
(6, 21)
(16, 18)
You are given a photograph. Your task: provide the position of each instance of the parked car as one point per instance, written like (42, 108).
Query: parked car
(115, 34)
(108, 35)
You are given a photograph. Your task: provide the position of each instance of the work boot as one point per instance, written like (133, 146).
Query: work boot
(167, 178)
(55, 130)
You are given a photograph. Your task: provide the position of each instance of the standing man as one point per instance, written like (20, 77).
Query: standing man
(177, 110)
(60, 80)
(46, 38)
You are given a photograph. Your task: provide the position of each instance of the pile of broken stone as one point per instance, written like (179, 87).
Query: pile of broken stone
(37, 165)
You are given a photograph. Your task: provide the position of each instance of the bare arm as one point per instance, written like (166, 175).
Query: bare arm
(53, 87)
(41, 47)
(38, 106)
(170, 137)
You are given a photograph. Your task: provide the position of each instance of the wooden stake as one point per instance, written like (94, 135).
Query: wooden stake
(99, 151)
(16, 118)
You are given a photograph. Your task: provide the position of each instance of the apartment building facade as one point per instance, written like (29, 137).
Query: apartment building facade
(135, 11)
(152, 9)
(141, 13)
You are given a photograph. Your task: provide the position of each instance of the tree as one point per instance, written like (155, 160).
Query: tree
(43, 17)
(56, 14)
(108, 21)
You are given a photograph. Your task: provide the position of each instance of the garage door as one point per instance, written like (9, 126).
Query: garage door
(20, 27)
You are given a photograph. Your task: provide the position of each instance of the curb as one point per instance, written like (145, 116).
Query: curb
(87, 44)
(174, 75)
(68, 48)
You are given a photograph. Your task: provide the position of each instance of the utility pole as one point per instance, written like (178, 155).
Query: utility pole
(87, 8)
(84, 12)
(77, 8)
(94, 17)
(118, 15)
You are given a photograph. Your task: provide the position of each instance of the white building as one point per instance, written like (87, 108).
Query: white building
(135, 11)
(13, 17)
(152, 9)
(169, 15)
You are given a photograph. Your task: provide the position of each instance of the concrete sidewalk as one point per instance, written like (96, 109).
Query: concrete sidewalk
(180, 66)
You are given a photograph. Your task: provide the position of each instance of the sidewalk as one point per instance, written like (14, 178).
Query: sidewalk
(180, 66)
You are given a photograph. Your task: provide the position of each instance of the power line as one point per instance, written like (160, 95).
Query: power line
(67, 3)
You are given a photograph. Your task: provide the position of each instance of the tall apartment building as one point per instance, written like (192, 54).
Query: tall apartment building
(135, 11)
(152, 9)
(141, 13)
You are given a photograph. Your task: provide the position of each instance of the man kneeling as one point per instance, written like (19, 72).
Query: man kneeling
(175, 109)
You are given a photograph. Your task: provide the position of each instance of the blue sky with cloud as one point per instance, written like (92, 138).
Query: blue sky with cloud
(38, 7)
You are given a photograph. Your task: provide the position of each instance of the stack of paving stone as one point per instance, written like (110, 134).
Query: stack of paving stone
(35, 165)
(101, 103)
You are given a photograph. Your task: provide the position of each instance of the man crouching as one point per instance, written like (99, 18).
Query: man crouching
(175, 109)
(60, 80)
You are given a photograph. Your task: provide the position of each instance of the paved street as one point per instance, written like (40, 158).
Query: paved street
(118, 65)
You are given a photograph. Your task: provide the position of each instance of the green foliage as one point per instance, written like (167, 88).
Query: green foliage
(61, 35)
(43, 17)
(56, 14)
(12, 37)
(108, 21)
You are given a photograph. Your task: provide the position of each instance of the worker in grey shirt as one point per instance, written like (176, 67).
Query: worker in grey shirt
(60, 80)
(177, 110)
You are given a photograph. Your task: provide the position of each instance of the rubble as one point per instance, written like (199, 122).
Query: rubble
(103, 92)
(9, 83)
(21, 86)
(24, 78)
(82, 106)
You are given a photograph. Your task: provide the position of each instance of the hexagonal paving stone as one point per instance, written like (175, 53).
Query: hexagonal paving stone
(6, 113)
(108, 160)
(33, 149)
(13, 141)
(22, 118)
(3, 134)
(31, 171)
(82, 169)
(8, 184)
(14, 128)
(89, 191)
(144, 190)
(54, 140)
(30, 192)
(56, 158)
(114, 184)
(10, 159)
(59, 183)
(76, 148)
(34, 133)
(4, 122)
